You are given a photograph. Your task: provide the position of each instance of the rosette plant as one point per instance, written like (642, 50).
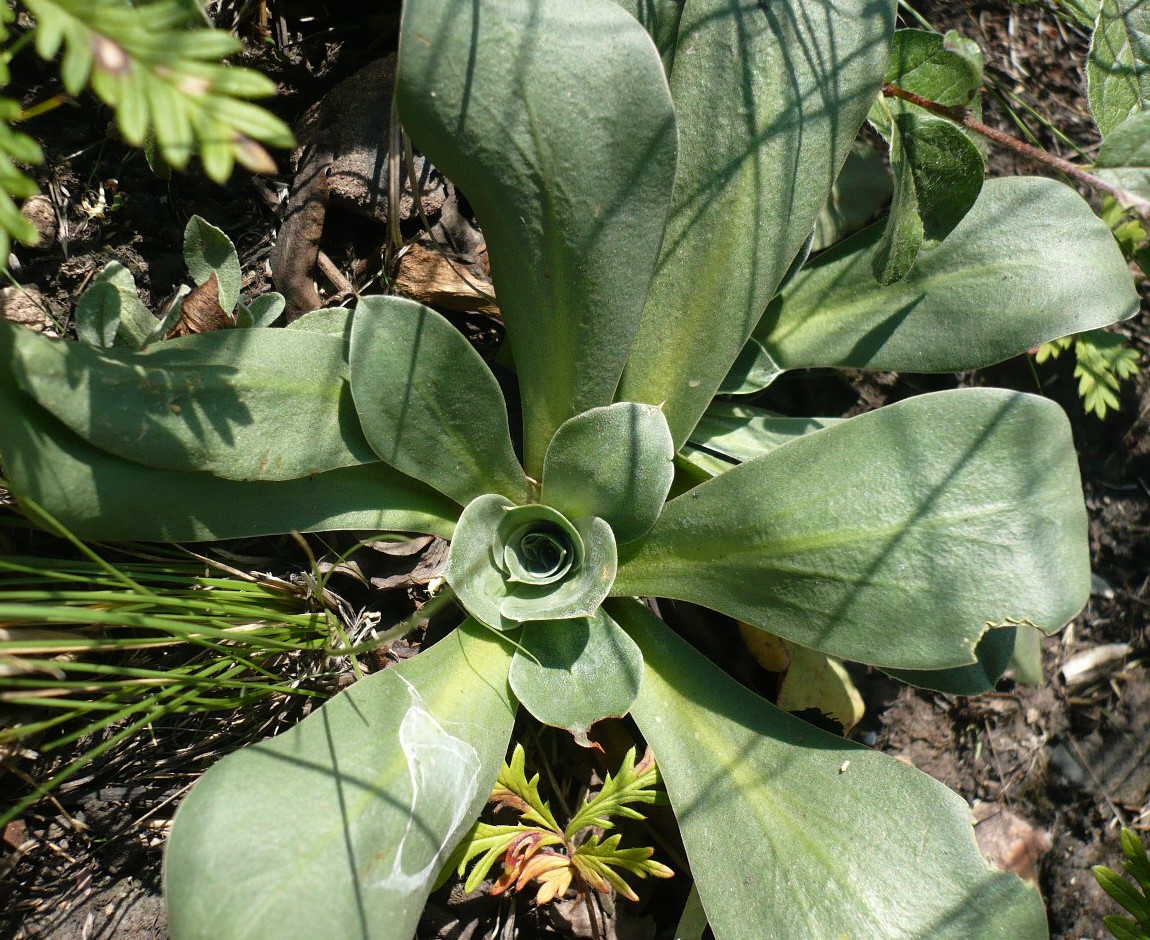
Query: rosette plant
(646, 175)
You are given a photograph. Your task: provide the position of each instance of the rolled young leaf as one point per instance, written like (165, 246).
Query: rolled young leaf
(894, 538)
(339, 826)
(613, 462)
(555, 119)
(993, 289)
(769, 99)
(428, 404)
(573, 673)
(239, 404)
(838, 840)
(509, 565)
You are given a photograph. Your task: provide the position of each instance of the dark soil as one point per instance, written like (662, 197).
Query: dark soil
(1051, 770)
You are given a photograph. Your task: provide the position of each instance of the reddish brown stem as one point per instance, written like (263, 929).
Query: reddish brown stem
(962, 116)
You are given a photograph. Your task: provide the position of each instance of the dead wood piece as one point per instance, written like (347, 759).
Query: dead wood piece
(432, 278)
(294, 256)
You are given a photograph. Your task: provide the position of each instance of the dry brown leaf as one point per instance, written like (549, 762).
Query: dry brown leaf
(201, 311)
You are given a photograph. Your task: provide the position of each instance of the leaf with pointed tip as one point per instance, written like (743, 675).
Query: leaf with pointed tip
(1118, 66)
(208, 251)
(614, 462)
(752, 371)
(769, 99)
(952, 509)
(239, 404)
(842, 840)
(99, 496)
(946, 69)
(428, 404)
(555, 119)
(993, 289)
(339, 826)
(573, 673)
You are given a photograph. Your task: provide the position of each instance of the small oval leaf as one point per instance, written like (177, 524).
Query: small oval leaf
(614, 462)
(573, 673)
(428, 403)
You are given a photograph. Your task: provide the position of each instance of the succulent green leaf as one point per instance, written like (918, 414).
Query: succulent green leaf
(555, 119)
(208, 251)
(752, 371)
(1118, 66)
(743, 432)
(903, 235)
(614, 462)
(894, 538)
(573, 673)
(99, 496)
(110, 311)
(429, 404)
(838, 840)
(769, 98)
(1124, 158)
(502, 582)
(339, 826)
(332, 321)
(239, 404)
(994, 652)
(991, 290)
(474, 562)
(946, 69)
(661, 20)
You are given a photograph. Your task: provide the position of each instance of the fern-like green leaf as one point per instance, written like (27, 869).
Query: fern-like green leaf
(632, 784)
(1104, 360)
(596, 862)
(161, 70)
(513, 789)
(15, 147)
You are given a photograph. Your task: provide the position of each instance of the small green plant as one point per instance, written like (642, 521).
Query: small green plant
(1102, 361)
(1133, 898)
(110, 313)
(162, 72)
(538, 849)
(647, 177)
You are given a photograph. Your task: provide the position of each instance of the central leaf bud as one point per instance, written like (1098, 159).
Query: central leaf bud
(539, 546)
(513, 564)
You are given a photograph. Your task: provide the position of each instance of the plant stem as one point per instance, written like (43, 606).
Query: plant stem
(963, 117)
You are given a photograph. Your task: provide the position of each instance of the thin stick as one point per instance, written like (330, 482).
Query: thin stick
(962, 116)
